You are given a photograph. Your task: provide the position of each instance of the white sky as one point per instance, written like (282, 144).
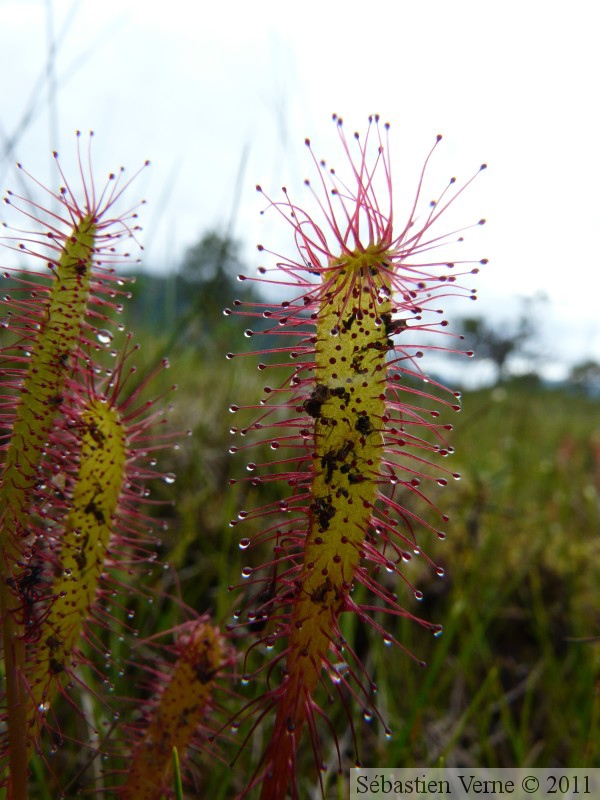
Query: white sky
(196, 85)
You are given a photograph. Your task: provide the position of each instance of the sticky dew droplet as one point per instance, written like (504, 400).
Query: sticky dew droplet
(104, 336)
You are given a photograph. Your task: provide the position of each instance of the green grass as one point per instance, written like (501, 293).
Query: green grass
(507, 684)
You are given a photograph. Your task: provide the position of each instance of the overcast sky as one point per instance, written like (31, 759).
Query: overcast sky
(216, 92)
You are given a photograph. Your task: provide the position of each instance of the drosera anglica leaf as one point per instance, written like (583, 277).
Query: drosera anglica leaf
(180, 711)
(85, 539)
(100, 541)
(57, 322)
(359, 431)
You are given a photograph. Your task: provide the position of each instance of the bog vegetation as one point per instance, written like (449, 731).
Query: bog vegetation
(513, 680)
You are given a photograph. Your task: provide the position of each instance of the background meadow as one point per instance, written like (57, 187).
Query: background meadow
(513, 680)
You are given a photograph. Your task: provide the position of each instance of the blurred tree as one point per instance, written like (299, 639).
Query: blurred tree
(187, 305)
(586, 377)
(208, 272)
(213, 255)
(502, 342)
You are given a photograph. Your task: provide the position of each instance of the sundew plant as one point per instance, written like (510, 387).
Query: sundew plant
(80, 440)
(357, 434)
